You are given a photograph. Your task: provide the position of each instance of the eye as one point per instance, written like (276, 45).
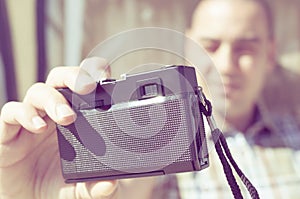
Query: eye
(245, 49)
(210, 45)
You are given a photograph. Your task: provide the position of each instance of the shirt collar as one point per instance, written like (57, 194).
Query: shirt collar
(262, 121)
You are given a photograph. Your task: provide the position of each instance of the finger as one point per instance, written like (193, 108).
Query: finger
(101, 190)
(16, 114)
(97, 67)
(75, 78)
(48, 99)
(105, 189)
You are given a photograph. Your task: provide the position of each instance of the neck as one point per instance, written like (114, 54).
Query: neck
(240, 122)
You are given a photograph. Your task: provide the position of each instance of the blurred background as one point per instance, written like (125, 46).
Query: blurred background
(36, 35)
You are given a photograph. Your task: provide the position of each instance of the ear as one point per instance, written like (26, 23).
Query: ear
(272, 55)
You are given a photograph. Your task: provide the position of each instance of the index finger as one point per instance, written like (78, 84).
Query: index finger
(75, 78)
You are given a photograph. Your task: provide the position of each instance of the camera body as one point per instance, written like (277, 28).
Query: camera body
(144, 124)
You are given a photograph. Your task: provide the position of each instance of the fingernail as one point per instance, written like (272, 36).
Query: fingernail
(103, 189)
(63, 111)
(38, 122)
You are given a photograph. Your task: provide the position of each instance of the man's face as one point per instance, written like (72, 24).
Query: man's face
(235, 35)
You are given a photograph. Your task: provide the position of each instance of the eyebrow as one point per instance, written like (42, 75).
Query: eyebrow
(241, 40)
(249, 40)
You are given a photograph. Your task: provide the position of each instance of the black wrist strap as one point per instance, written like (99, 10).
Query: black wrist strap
(221, 147)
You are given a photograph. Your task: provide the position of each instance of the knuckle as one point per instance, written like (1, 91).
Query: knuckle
(52, 73)
(33, 89)
(7, 107)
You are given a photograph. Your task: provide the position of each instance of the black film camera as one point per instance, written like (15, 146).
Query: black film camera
(144, 124)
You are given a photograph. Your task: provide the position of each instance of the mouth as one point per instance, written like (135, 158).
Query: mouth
(231, 86)
(232, 89)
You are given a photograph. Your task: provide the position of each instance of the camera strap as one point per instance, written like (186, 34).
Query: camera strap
(221, 147)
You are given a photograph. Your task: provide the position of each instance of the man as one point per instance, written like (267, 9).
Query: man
(236, 35)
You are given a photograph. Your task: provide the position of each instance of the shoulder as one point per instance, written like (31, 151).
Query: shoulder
(281, 95)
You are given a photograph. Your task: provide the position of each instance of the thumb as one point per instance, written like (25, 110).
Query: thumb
(97, 67)
(103, 189)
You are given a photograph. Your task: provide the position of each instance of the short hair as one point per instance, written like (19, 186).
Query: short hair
(265, 5)
(269, 15)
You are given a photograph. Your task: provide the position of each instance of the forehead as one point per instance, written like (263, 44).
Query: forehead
(230, 18)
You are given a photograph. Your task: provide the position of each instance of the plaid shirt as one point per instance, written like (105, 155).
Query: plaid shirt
(268, 153)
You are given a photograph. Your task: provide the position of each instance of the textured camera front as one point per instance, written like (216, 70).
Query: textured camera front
(160, 128)
(136, 139)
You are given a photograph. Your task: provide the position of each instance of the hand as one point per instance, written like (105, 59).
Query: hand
(29, 157)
